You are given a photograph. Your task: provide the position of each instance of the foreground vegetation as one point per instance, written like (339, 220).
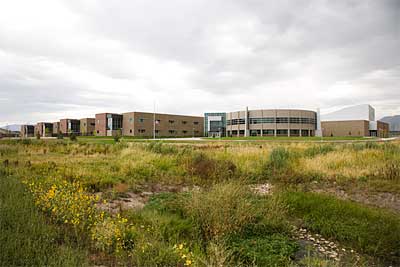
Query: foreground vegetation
(197, 204)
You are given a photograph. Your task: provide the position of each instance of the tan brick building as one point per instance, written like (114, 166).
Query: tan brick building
(164, 125)
(27, 131)
(44, 129)
(69, 126)
(345, 128)
(108, 124)
(271, 122)
(358, 128)
(87, 126)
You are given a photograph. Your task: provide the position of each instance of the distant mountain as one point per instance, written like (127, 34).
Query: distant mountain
(12, 127)
(394, 122)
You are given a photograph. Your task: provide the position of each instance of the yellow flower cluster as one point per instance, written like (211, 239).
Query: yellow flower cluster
(184, 254)
(68, 203)
(113, 234)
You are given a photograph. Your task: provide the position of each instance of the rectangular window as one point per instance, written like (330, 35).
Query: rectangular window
(282, 120)
(171, 121)
(282, 132)
(184, 122)
(196, 123)
(295, 120)
(294, 132)
(268, 132)
(141, 119)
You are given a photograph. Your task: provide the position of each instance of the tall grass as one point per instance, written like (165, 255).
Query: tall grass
(374, 232)
(26, 239)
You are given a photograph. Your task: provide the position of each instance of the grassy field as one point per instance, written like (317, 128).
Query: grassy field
(96, 201)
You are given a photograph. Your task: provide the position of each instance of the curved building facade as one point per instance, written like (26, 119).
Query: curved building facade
(271, 122)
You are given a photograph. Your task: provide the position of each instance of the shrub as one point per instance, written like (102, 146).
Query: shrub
(273, 250)
(206, 168)
(72, 137)
(279, 165)
(117, 138)
(60, 136)
(38, 135)
(223, 210)
(279, 158)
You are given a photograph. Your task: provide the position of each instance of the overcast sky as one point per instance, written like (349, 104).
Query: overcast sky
(76, 58)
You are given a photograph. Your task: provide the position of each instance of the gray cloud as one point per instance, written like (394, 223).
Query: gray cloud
(75, 58)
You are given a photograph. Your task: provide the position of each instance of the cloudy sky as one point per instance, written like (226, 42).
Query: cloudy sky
(77, 58)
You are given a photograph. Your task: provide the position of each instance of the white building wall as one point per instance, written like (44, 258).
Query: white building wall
(360, 112)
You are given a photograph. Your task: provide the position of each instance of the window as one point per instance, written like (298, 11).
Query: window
(282, 120)
(131, 120)
(196, 123)
(172, 131)
(141, 119)
(268, 132)
(171, 121)
(130, 131)
(158, 121)
(184, 122)
(98, 131)
(294, 132)
(241, 132)
(185, 132)
(141, 130)
(237, 121)
(282, 132)
(92, 124)
(294, 120)
(255, 132)
(84, 124)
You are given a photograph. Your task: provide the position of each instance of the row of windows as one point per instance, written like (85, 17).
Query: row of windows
(271, 132)
(169, 131)
(141, 120)
(279, 120)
